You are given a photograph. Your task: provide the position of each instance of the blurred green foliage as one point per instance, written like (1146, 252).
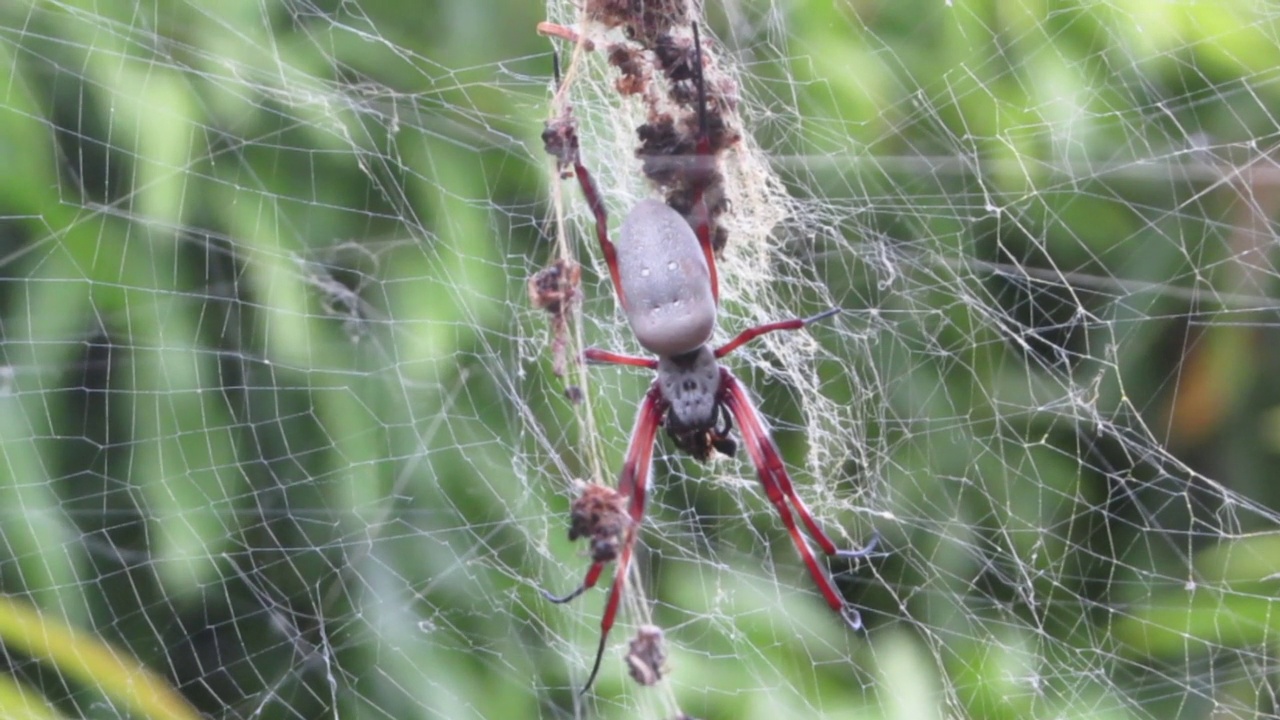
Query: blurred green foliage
(264, 406)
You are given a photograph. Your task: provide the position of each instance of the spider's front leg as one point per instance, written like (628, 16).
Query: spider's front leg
(560, 139)
(705, 173)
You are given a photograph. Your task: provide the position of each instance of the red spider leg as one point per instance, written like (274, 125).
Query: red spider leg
(633, 482)
(778, 488)
(596, 203)
(701, 215)
(750, 334)
(778, 471)
(568, 34)
(604, 356)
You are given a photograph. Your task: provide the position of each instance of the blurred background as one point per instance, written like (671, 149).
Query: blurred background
(283, 438)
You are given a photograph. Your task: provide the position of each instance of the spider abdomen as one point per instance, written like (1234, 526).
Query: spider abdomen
(666, 284)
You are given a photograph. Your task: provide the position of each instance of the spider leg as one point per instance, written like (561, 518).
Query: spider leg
(604, 356)
(705, 167)
(750, 334)
(593, 576)
(592, 193)
(778, 488)
(633, 483)
(615, 597)
(561, 138)
(568, 34)
(865, 551)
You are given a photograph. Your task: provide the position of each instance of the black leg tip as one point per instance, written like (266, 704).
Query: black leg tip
(852, 617)
(562, 599)
(822, 315)
(864, 551)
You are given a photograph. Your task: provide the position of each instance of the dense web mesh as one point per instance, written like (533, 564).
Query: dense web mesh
(283, 435)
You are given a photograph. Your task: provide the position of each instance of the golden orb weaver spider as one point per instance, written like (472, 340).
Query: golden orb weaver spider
(664, 273)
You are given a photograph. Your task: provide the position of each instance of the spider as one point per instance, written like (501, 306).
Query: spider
(663, 270)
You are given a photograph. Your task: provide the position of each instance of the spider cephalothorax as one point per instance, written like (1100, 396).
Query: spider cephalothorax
(663, 270)
(690, 384)
(696, 418)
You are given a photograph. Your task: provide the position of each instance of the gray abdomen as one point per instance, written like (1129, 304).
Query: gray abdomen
(665, 281)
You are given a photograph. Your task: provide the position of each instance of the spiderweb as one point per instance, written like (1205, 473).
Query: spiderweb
(282, 426)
